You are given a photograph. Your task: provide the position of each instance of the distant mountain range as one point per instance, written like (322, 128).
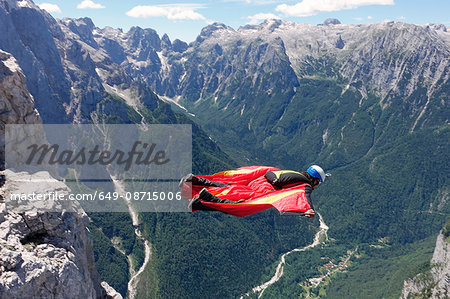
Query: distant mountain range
(73, 62)
(368, 102)
(255, 76)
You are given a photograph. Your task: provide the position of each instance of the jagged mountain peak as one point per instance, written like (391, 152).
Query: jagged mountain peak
(210, 30)
(139, 38)
(111, 33)
(266, 27)
(166, 44)
(27, 5)
(83, 27)
(270, 24)
(165, 38)
(179, 46)
(438, 27)
(86, 22)
(331, 21)
(138, 31)
(20, 3)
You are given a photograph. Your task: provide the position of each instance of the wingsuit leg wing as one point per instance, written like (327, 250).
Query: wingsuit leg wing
(287, 202)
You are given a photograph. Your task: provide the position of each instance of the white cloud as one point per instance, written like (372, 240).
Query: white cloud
(312, 7)
(401, 18)
(170, 11)
(86, 4)
(50, 7)
(369, 17)
(256, 19)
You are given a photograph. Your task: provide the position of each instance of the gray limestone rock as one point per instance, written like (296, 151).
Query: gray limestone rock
(16, 103)
(45, 247)
(436, 282)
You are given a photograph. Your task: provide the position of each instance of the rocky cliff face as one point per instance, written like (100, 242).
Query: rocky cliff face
(43, 254)
(36, 53)
(16, 103)
(45, 247)
(436, 282)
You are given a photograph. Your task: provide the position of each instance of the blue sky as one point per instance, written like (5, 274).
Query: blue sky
(184, 19)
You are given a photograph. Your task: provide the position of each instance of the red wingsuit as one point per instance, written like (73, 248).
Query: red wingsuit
(245, 191)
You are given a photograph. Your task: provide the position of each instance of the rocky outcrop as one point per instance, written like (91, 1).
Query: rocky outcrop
(16, 103)
(434, 283)
(45, 246)
(36, 53)
(331, 21)
(441, 270)
(45, 249)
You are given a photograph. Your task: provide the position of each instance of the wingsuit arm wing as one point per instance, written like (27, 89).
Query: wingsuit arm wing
(295, 204)
(308, 213)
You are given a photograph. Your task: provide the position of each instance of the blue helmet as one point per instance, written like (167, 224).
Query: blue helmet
(317, 172)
